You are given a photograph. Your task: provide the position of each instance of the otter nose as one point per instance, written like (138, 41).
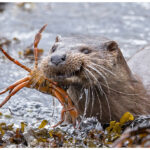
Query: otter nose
(58, 59)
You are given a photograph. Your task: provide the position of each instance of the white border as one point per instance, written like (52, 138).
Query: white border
(73, 1)
(75, 148)
(70, 1)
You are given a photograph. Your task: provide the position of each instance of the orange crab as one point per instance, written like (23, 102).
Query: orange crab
(38, 81)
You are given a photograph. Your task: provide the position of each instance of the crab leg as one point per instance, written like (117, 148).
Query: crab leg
(15, 90)
(62, 101)
(62, 119)
(71, 107)
(58, 96)
(11, 87)
(15, 61)
(58, 93)
(36, 42)
(65, 95)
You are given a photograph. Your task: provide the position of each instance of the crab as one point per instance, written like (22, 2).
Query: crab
(36, 80)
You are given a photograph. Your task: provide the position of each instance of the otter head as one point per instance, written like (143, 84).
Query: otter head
(82, 60)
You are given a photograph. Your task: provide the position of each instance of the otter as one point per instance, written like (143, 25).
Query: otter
(96, 76)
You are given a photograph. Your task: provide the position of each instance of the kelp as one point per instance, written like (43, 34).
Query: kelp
(23, 125)
(2, 131)
(136, 137)
(43, 124)
(29, 53)
(115, 128)
(117, 134)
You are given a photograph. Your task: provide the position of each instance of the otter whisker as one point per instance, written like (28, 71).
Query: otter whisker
(104, 69)
(80, 97)
(90, 86)
(86, 73)
(86, 91)
(101, 112)
(99, 99)
(107, 103)
(94, 78)
(130, 94)
(91, 91)
(102, 92)
(93, 100)
(101, 75)
(114, 89)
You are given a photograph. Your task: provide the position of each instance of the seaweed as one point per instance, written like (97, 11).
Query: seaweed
(117, 134)
(43, 124)
(116, 128)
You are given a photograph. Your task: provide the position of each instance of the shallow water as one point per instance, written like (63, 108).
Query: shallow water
(127, 23)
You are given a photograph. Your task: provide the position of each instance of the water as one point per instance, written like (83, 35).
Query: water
(126, 23)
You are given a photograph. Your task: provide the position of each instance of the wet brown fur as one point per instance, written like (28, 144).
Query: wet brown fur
(111, 91)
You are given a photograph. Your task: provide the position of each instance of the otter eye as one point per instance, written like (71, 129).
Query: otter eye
(85, 51)
(53, 49)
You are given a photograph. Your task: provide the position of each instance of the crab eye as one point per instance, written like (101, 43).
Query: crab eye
(85, 51)
(53, 49)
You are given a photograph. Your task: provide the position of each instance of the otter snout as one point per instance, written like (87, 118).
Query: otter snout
(58, 59)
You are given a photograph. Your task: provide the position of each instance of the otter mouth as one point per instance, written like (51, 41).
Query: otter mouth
(61, 77)
(65, 80)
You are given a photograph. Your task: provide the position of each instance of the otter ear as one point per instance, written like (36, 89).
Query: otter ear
(111, 46)
(58, 38)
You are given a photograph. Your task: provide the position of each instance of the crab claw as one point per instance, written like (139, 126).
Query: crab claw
(38, 36)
